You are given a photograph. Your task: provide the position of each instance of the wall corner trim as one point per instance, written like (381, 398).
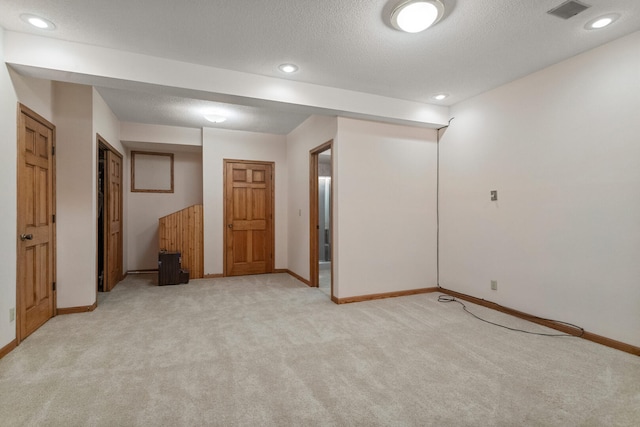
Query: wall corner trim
(618, 345)
(370, 297)
(292, 274)
(80, 309)
(8, 348)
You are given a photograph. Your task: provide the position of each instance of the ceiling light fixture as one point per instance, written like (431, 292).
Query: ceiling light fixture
(602, 21)
(413, 16)
(38, 22)
(288, 68)
(214, 118)
(440, 96)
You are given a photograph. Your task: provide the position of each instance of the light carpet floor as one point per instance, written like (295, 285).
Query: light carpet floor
(269, 351)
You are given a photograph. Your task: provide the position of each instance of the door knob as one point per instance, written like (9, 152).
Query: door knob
(24, 237)
(230, 225)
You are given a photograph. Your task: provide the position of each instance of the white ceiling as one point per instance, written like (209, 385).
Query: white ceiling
(479, 45)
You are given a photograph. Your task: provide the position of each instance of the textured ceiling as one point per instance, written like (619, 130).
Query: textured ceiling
(479, 45)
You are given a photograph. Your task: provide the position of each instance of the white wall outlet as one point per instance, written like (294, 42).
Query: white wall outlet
(494, 285)
(12, 314)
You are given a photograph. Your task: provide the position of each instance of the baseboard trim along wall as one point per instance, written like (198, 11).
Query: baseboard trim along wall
(618, 345)
(81, 309)
(212, 276)
(370, 297)
(7, 348)
(291, 273)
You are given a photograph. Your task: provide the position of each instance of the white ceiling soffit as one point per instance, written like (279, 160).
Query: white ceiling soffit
(337, 44)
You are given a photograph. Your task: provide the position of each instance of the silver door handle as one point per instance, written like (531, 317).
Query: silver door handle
(230, 225)
(24, 237)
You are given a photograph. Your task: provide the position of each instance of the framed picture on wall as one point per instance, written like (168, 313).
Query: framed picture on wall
(151, 172)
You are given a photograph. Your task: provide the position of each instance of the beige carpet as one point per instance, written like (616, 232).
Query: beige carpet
(269, 351)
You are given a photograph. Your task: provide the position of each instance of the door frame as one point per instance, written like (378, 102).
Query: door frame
(102, 143)
(23, 109)
(314, 256)
(271, 264)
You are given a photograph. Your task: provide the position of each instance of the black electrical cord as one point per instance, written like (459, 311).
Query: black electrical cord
(447, 298)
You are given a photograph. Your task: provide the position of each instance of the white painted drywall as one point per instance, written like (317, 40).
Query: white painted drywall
(218, 145)
(8, 224)
(75, 195)
(561, 148)
(144, 209)
(158, 134)
(315, 131)
(110, 68)
(37, 94)
(385, 187)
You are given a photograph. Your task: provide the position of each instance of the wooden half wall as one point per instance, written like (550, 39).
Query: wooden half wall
(182, 232)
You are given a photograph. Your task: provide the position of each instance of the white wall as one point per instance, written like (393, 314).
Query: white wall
(37, 94)
(76, 189)
(561, 147)
(144, 209)
(219, 144)
(385, 196)
(316, 130)
(8, 224)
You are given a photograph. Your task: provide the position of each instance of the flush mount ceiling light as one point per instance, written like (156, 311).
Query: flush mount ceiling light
(440, 96)
(602, 21)
(413, 16)
(38, 21)
(215, 118)
(288, 68)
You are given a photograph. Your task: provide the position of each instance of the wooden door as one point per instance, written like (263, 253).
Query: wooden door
(114, 221)
(249, 243)
(36, 223)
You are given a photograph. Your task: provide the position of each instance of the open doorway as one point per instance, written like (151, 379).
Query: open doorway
(109, 216)
(321, 198)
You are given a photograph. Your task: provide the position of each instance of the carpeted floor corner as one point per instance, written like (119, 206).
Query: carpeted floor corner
(269, 351)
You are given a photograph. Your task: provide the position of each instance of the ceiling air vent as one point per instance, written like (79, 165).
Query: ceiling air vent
(568, 9)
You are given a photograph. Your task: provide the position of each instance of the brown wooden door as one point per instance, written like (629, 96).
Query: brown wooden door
(114, 221)
(36, 229)
(249, 218)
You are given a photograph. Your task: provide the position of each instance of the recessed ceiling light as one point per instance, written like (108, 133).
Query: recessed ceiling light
(214, 118)
(38, 21)
(413, 16)
(288, 68)
(440, 96)
(602, 21)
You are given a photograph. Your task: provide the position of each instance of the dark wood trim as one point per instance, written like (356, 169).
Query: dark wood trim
(133, 172)
(110, 147)
(212, 276)
(618, 345)
(8, 348)
(314, 257)
(384, 295)
(103, 144)
(81, 309)
(298, 277)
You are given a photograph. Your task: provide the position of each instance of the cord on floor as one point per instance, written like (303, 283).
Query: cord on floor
(447, 298)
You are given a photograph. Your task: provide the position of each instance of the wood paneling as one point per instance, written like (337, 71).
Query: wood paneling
(249, 199)
(182, 232)
(35, 223)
